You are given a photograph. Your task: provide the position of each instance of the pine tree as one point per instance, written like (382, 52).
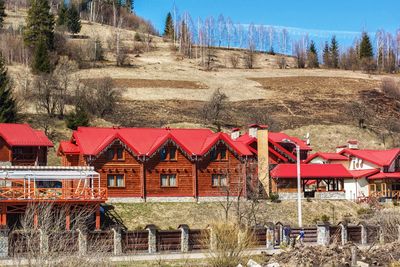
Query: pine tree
(313, 56)
(73, 20)
(169, 26)
(41, 61)
(2, 13)
(39, 24)
(62, 15)
(8, 106)
(366, 50)
(326, 56)
(334, 52)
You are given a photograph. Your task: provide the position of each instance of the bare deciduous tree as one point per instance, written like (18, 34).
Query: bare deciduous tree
(214, 111)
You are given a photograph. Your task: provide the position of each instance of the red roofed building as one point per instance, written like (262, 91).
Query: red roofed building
(325, 181)
(22, 145)
(146, 163)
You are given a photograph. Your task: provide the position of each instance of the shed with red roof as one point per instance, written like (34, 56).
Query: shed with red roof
(22, 145)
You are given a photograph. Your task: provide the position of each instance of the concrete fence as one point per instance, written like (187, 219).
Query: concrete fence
(183, 239)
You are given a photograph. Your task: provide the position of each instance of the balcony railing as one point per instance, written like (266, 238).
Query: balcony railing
(52, 194)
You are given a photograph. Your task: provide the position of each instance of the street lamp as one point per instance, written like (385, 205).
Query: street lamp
(299, 213)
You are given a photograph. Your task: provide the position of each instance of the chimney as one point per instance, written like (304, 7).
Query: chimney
(253, 128)
(263, 160)
(352, 144)
(340, 148)
(235, 133)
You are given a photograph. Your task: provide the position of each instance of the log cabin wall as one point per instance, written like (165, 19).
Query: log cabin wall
(180, 167)
(231, 167)
(5, 151)
(128, 167)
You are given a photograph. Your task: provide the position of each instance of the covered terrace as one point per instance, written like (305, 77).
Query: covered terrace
(385, 185)
(324, 181)
(21, 186)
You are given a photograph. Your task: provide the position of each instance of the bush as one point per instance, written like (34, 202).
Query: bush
(77, 118)
(365, 212)
(274, 197)
(391, 88)
(325, 218)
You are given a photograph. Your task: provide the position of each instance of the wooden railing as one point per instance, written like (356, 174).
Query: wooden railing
(21, 193)
(394, 194)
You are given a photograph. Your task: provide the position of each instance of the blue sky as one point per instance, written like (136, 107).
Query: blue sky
(335, 15)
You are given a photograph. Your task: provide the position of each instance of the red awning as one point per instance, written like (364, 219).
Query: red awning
(311, 171)
(385, 175)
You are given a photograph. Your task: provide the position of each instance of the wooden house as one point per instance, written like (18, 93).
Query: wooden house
(161, 163)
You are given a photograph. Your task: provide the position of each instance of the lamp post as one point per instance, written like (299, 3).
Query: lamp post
(299, 212)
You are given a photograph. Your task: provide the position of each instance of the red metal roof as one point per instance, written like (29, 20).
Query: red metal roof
(326, 156)
(310, 171)
(363, 173)
(378, 157)
(146, 141)
(68, 147)
(279, 137)
(385, 175)
(23, 135)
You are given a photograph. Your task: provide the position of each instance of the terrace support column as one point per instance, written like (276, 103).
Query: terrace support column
(4, 215)
(184, 237)
(152, 230)
(97, 217)
(270, 238)
(82, 242)
(323, 233)
(4, 243)
(68, 218)
(117, 241)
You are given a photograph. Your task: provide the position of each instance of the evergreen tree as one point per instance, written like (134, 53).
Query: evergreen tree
(366, 50)
(334, 52)
(313, 56)
(77, 118)
(41, 61)
(62, 15)
(2, 13)
(8, 106)
(39, 24)
(169, 26)
(326, 56)
(73, 20)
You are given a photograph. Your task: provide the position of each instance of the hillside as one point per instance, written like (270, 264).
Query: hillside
(161, 88)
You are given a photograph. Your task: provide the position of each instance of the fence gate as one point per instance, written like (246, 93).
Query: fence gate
(310, 234)
(354, 234)
(198, 239)
(335, 233)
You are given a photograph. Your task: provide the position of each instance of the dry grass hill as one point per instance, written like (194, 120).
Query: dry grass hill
(162, 88)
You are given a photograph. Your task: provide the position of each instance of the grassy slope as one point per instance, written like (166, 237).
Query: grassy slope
(199, 215)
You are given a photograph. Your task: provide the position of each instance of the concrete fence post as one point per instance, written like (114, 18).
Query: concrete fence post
(184, 237)
(280, 229)
(4, 243)
(212, 237)
(344, 233)
(364, 234)
(353, 256)
(270, 236)
(82, 242)
(117, 241)
(398, 232)
(152, 239)
(323, 233)
(381, 236)
(43, 242)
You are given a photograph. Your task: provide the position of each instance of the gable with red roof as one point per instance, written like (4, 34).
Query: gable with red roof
(22, 145)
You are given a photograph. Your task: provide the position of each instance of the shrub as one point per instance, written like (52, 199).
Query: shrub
(77, 118)
(325, 218)
(391, 88)
(274, 197)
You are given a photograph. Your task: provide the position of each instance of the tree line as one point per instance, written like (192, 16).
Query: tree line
(196, 39)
